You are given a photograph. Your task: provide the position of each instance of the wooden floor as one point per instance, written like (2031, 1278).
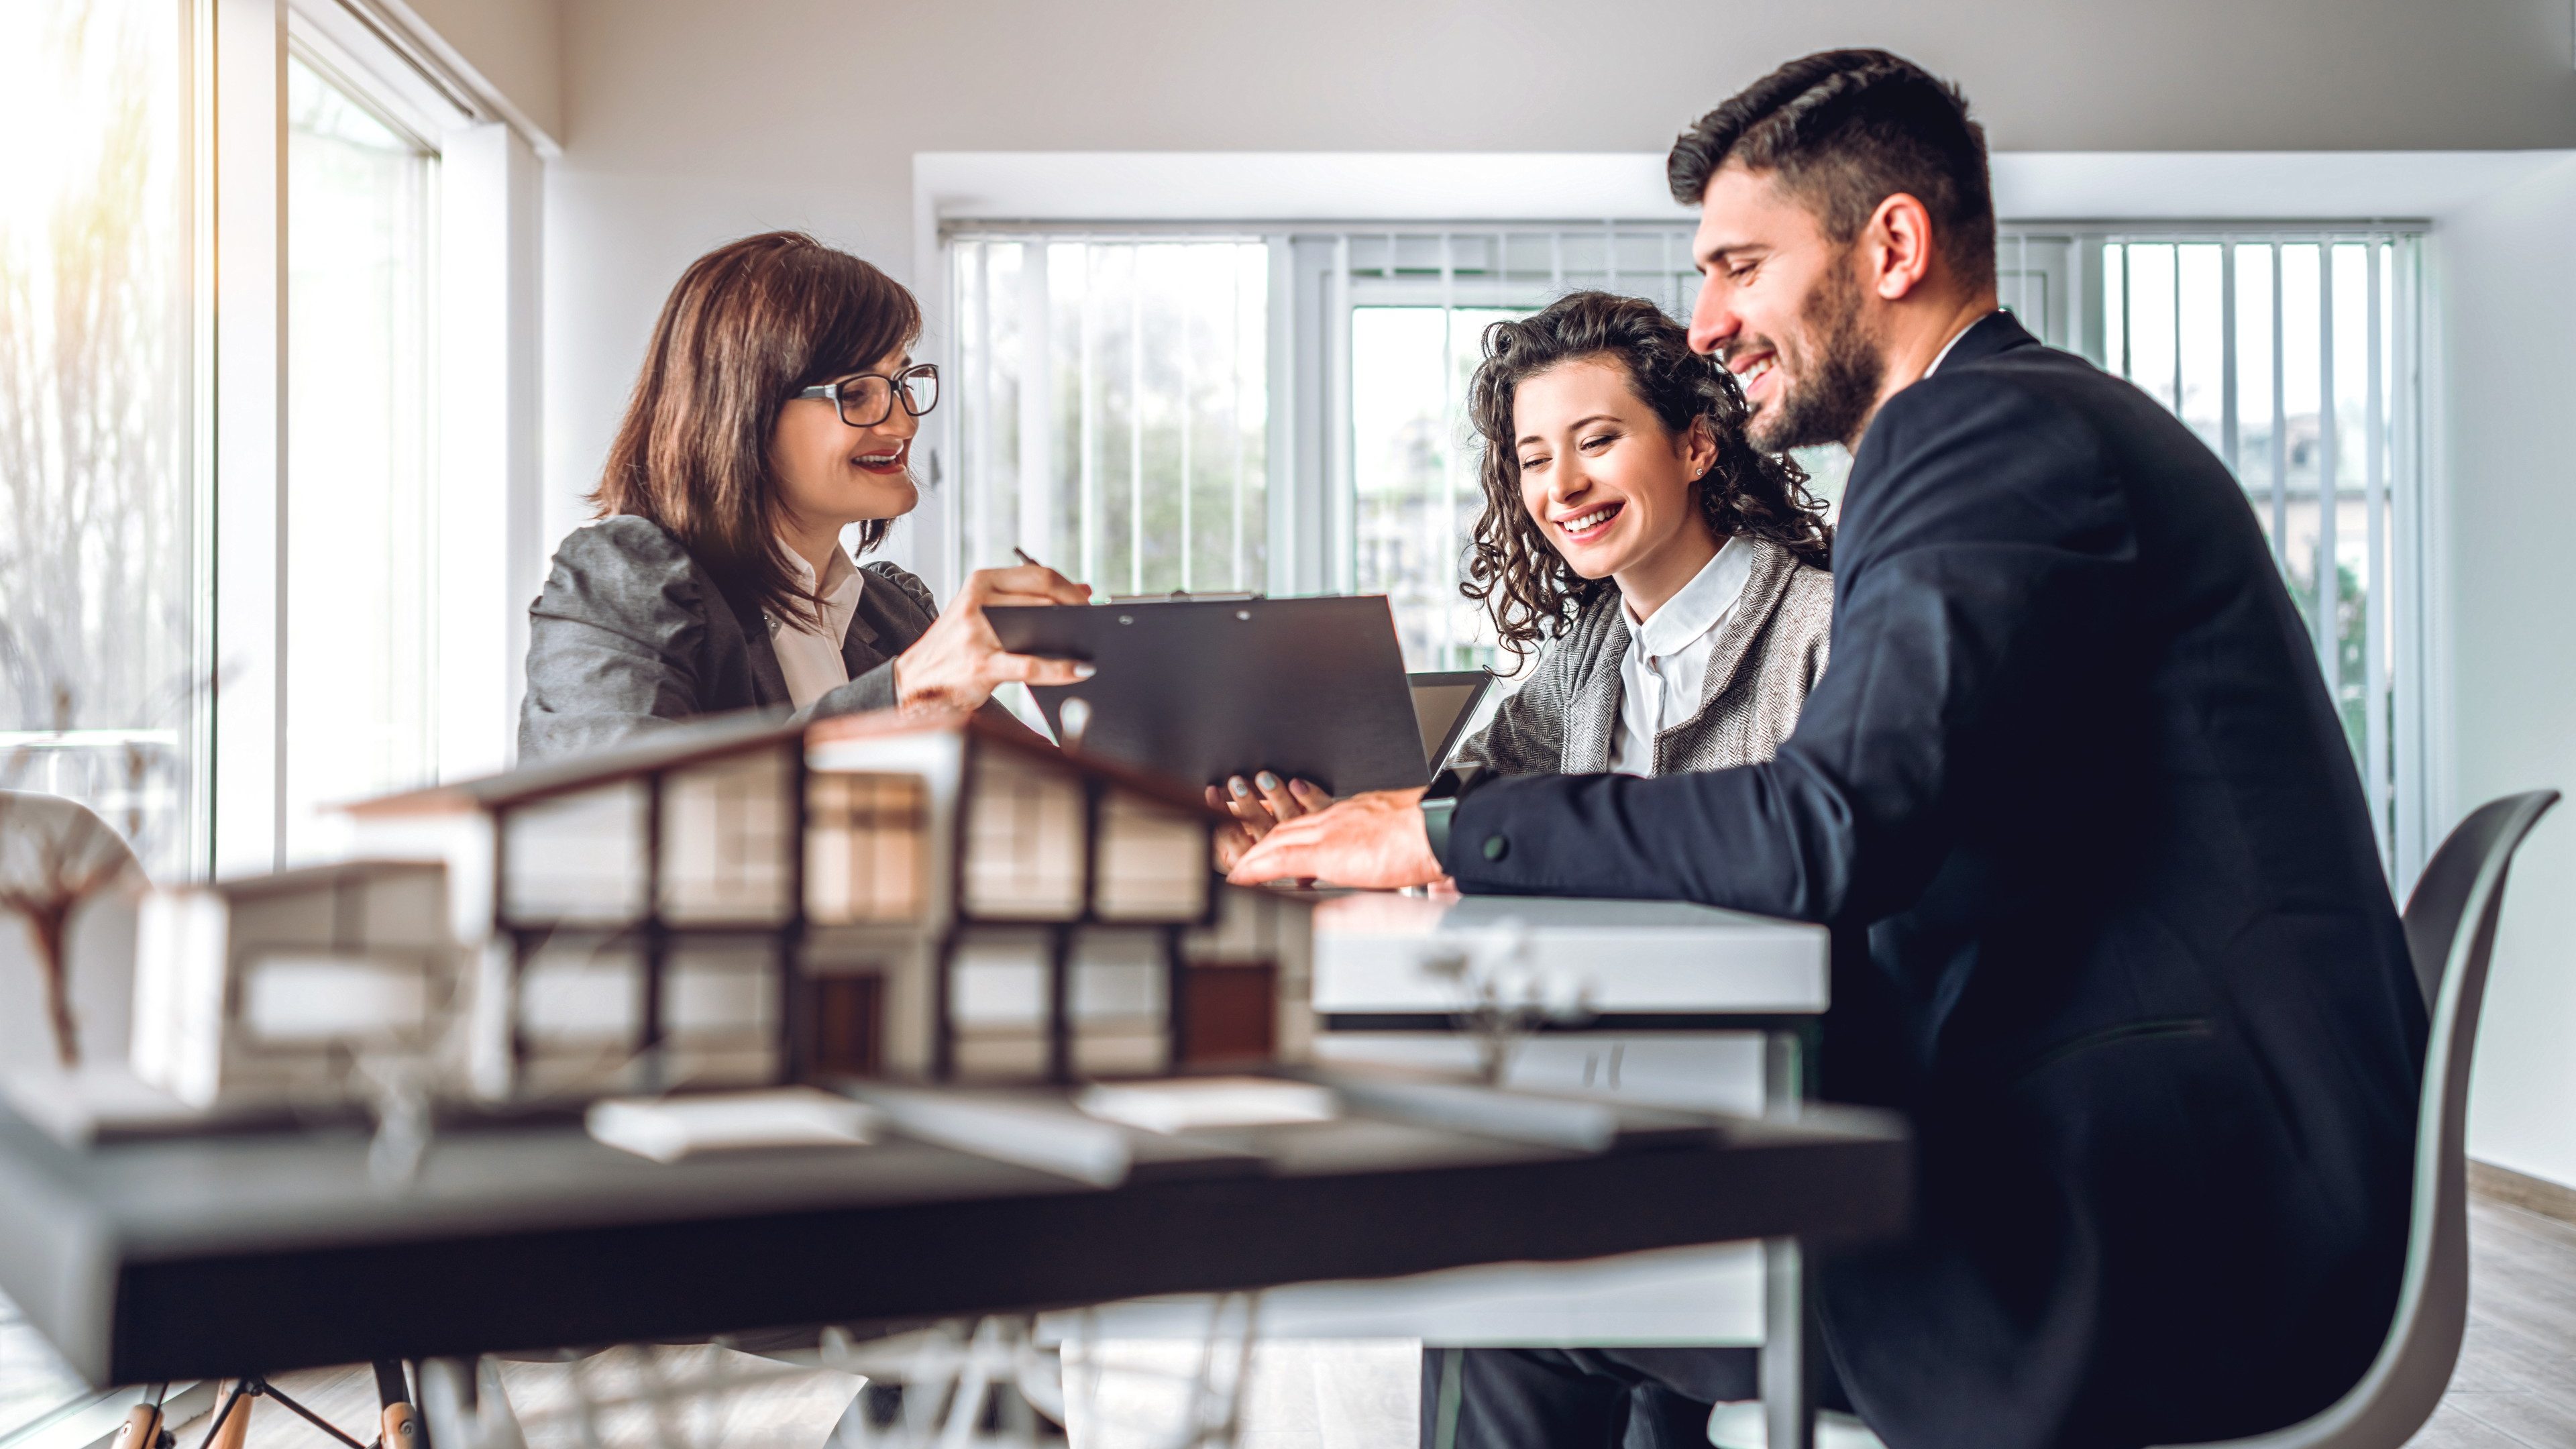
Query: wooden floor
(2515, 1387)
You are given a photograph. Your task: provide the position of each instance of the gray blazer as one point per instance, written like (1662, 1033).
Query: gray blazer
(1770, 651)
(631, 634)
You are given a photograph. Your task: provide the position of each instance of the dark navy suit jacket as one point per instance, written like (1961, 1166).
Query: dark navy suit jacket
(2110, 924)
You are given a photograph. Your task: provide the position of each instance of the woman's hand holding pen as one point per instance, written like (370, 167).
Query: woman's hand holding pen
(1257, 806)
(959, 661)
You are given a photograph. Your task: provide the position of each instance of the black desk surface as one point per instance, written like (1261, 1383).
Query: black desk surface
(204, 1257)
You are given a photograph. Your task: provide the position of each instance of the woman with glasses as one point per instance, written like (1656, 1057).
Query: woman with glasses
(776, 409)
(1671, 577)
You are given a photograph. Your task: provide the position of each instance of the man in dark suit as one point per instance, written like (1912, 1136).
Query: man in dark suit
(2110, 922)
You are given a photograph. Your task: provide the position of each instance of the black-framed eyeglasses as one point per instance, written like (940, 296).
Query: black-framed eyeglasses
(868, 399)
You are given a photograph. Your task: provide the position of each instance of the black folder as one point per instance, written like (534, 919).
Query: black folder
(1200, 689)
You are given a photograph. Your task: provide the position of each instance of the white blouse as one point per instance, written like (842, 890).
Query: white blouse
(1666, 661)
(812, 661)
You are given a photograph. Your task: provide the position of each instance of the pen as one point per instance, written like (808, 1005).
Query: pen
(1024, 557)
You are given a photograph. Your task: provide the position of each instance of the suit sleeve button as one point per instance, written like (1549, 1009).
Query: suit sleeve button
(1496, 847)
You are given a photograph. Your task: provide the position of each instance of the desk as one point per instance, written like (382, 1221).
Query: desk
(1680, 1004)
(212, 1257)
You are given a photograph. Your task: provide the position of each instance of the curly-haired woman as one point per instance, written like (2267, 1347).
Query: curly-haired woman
(1674, 574)
(1680, 571)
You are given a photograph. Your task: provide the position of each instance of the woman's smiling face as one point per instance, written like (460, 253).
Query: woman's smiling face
(830, 473)
(1608, 486)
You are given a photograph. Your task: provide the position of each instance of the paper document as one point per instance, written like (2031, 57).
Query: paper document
(667, 1129)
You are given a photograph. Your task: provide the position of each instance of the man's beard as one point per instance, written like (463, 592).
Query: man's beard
(1834, 403)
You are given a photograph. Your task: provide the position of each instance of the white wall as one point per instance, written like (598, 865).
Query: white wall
(2510, 350)
(512, 50)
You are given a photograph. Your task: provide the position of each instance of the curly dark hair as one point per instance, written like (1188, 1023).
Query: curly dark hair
(1511, 566)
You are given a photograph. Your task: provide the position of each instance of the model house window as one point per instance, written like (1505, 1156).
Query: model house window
(580, 1006)
(1117, 999)
(725, 840)
(2294, 352)
(998, 1004)
(867, 848)
(1153, 862)
(577, 858)
(1024, 841)
(720, 1011)
(100, 590)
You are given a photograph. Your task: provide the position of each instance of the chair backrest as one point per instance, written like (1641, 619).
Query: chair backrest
(99, 944)
(2450, 934)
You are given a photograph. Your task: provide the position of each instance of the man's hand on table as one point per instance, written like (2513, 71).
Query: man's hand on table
(1374, 841)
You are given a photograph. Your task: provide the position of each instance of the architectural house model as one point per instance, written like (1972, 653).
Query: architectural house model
(268, 989)
(945, 899)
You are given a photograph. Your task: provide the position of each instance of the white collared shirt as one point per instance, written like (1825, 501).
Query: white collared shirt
(1944, 354)
(812, 661)
(1666, 661)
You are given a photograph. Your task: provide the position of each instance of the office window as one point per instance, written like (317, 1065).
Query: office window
(1112, 414)
(2294, 353)
(361, 607)
(99, 587)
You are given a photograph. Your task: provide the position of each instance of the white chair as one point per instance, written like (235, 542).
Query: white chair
(98, 945)
(2450, 934)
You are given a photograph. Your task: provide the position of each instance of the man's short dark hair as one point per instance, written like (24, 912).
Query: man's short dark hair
(1844, 130)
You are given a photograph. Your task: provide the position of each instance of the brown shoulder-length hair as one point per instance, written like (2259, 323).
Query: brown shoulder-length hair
(747, 326)
(1511, 566)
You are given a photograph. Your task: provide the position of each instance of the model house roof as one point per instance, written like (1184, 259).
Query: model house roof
(723, 736)
(695, 742)
(318, 877)
(993, 726)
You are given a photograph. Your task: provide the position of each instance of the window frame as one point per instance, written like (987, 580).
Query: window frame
(482, 366)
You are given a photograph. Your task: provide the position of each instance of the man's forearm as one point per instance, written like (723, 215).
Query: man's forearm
(1746, 839)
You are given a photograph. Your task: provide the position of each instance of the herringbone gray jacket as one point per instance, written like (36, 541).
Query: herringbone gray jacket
(1770, 651)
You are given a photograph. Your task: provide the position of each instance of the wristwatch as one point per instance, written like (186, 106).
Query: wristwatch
(1440, 802)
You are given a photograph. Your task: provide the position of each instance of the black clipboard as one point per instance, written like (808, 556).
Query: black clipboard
(1200, 689)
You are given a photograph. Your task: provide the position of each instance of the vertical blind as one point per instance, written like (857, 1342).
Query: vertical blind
(1152, 411)
(1113, 408)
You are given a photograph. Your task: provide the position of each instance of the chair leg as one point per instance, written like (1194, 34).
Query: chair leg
(232, 1421)
(398, 1423)
(1790, 1345)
